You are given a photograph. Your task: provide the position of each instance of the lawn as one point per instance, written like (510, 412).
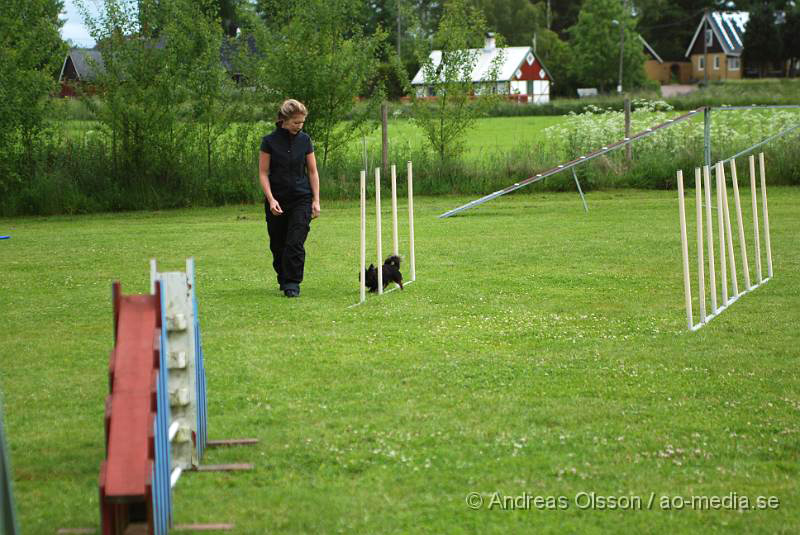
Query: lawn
(541, 350)
(489, 135)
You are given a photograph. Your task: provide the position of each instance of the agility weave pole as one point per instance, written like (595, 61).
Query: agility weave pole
(379, 230)
(727, 258)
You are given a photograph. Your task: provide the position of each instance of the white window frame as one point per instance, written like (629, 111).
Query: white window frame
(709, 37)
(734, 64)
(701, 63)
(716, 63)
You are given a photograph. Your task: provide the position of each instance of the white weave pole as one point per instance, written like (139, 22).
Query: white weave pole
(153, 276)
(756, 237)
(712, 276)
(412, 259)
(395, 239)
(728, 231)
(379, 243)
(740, 226)
(363, 251)
(701, 276)
(766, 213)
(723, 265)
(687, 285)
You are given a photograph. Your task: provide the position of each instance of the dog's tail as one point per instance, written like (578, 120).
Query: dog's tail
(393, 260)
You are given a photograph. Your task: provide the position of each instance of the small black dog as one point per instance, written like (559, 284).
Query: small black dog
(391, 273)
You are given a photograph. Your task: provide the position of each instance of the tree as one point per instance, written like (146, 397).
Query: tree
(312, 51)
(418, 18)
(516, 20)
(596, 46)
(791, 39)
(392, 16)
(563, 16)
(30, 49)
(750, 5)
(762, 41)
(228, 14)
(445, 121)
(555, 54)
(140, 88)
(195, 43)
(669, 25)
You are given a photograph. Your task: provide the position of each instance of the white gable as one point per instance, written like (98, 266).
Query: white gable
(728, 27)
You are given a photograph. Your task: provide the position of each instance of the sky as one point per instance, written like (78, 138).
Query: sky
(74, 28)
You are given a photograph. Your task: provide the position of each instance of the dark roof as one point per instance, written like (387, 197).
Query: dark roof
(86, 61)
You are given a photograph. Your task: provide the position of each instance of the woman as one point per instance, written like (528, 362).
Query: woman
(288, 174)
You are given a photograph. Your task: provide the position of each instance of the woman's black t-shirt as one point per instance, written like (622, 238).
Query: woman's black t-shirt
(288, 176)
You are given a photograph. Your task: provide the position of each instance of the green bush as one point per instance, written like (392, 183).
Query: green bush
(74, 109)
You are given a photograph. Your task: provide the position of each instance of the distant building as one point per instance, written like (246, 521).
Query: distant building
(664, 72)
(83, 66)
(716, 48)
(521, 74)
(80, 69)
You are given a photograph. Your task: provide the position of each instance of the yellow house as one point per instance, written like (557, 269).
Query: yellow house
(716, 48)
(665, 72)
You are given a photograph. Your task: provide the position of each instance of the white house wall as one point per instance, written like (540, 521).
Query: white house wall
(541, 91)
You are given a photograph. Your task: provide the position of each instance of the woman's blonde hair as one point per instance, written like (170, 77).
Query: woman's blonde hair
(291, 107)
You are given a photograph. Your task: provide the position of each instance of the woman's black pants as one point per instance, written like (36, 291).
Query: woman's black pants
(287, 237)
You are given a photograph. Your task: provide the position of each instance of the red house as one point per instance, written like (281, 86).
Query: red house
(521, 73)
(80, 68)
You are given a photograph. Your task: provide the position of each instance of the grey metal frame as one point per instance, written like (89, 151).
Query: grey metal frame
(569, 165)
(706, 110)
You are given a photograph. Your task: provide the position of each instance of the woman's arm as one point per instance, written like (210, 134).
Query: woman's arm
(313, 179)
(263, 177)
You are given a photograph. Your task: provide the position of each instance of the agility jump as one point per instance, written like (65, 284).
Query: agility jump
(157, 410)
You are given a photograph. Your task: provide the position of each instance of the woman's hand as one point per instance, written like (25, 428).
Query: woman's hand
(313, 181)
(274, 207)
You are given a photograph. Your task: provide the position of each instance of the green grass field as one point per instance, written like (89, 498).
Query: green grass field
(541, 350)
(489, 134)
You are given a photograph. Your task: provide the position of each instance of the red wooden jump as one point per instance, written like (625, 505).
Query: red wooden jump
(125, 475)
